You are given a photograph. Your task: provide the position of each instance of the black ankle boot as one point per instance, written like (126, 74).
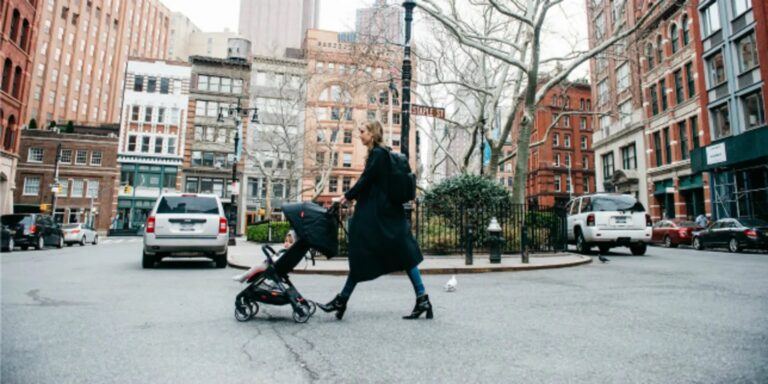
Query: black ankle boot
(338, 305)
(422, 305)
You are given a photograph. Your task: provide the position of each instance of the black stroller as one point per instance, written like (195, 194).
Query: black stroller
(317, 229)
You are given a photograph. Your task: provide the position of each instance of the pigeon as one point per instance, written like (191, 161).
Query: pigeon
(603, 259)
(450, 286)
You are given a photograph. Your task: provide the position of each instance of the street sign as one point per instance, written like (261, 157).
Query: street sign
(234, 187)
(423, 110)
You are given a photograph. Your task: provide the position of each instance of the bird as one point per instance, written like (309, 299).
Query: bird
(450, 286)
(603, 259)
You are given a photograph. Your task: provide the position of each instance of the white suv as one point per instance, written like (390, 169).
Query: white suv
(186, 224)
(608, 220)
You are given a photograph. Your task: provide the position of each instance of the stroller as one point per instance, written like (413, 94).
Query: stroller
(316, 229)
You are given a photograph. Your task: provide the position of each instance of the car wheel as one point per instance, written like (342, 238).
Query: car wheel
(604, 249)
(638, 249)
(95, 240)
(581, 244)
(668, 242)
(60, 243)
(82, 241)
(147, 260)
(40, 243)
(697, 244)
(733, 245)
(221, 260)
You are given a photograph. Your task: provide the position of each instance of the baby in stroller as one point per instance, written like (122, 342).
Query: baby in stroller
(268, 283)
(254, 271)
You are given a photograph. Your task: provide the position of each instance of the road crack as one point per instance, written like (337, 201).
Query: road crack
(312, 374)
(47, 301)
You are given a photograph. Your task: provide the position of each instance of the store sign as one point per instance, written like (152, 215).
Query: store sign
(716, 154)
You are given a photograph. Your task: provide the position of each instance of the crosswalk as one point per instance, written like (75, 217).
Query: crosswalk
(121, 240)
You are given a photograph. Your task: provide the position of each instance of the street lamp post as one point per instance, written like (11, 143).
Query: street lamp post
(405, 110)
(55, 185)
(238, 112)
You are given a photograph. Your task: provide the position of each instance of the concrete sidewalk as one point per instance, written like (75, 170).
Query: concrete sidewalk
(245, 254)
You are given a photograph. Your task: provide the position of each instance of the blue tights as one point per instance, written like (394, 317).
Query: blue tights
(413, 275)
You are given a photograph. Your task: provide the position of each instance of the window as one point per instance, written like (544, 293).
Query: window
(585, 162)
(164, 85)
(31, 186)
(741, 6)
(35, 155)
(622, 78)
(605, 122)
(721, 121)
(625, 112)
(675, 35)
(138, 83)
(96, 158)
(147, 114)
(556, 139)
(747, 52)
(81, 158)
(347, 160)
(711, 20)
(237, 86)
(333, 184)
(754, 114)
(663, 90)
(557, 183)
(151, 84)
(567, 141)
(93, 188)
(145, 144)
(600, 26)
(557, 160)
(667, 146)
(583, 123)
(649, 55)
(659, 50)
(686, 30)
(78, 186)
(602, 92)
(657, 148)
(226, 85)
(347, 136)
(586, 184)
(66, 156)
(689, 78)
(202, 82)
(348, 114)
(608, 165)
(568, 161)
(629, 157)
(132, 143)
(161, 115)
(566, 121)
(584, 142)
(683, 134)
(679, 92)
(654, 100)
(159, 144)
(371, 115)
(346, 184)
(695, 132)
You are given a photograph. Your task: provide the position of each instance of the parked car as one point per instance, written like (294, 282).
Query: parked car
(184, 225)
(33, 230)
(736, 234)
(608, 220)
(672, 233)
(6, 239)
(79, 233)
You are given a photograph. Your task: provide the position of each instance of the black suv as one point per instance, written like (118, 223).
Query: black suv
(31, 230)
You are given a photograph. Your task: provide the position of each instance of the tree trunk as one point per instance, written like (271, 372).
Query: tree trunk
(521, 165)
(268, 199)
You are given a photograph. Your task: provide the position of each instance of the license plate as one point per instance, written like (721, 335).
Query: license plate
(621, 220)
(187, 227)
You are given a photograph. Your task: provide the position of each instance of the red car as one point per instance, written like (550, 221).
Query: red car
(673, 233)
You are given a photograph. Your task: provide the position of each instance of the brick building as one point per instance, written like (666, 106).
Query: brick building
(670, 68)
(561, 162)
(17, 43)
(733, 41)
(88, 176)
(152, 136)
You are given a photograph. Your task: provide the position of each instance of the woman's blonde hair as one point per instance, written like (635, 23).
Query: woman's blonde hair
(377, 134)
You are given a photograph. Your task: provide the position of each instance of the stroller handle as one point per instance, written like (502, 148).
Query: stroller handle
(268, 252)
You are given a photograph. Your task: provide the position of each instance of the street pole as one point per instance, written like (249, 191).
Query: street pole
(55, 182)
(405, 114)
(233, 201)
(482, 144)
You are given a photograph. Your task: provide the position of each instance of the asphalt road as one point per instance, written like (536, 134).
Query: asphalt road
(92, 315)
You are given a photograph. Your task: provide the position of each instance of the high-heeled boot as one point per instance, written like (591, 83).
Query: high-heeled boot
(338, 305)
(422, 305)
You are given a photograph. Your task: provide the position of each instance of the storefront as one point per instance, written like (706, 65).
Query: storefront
(140, 186)
(664, 194)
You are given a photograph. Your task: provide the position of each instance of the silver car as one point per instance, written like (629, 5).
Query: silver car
(186, 225)
(79, 233)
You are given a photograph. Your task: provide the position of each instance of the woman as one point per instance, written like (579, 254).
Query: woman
(380, 240)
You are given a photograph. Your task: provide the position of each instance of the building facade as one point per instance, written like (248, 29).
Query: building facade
(209, 154)
(88, 176)
(81, 53)
(17, 42)
(153, 128)
(670, 69)
(276, 25)
(381, 23)
(181, 32)
(274, 145)
(618, 139)
(348, 85)
(733, 38)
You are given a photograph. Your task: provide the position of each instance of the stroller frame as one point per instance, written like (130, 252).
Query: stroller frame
(284, 292)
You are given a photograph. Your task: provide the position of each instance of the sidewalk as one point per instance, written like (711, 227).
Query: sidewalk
(245, 254)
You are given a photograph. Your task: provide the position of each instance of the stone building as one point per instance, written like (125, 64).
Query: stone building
(88, 176)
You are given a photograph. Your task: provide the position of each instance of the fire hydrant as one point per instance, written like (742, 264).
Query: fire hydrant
(495, 241)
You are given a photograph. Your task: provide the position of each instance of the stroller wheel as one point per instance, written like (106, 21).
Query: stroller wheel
(254, 309)
(307, 309)
(243, 312)
(312, 307)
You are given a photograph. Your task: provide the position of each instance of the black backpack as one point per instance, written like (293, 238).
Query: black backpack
(402, 181)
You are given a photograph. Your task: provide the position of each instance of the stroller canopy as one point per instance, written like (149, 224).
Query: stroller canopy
(315, 225)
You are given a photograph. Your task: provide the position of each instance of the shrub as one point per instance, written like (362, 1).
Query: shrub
(32, 124)
(260, 233)
(465, 191)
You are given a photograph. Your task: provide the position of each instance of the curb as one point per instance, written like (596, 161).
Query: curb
(450, 270)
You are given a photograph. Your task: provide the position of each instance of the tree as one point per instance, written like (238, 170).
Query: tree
(523, 59)
(33, 124)
(70, 127)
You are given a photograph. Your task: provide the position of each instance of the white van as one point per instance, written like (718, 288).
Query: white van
(608, 220)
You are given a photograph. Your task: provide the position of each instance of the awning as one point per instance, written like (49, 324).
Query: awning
(748, 146)
(660, 187)
(690, 182)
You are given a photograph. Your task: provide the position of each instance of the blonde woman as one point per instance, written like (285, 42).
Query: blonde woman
(380, 240)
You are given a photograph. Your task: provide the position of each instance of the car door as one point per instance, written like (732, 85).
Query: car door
(707, 236)
(572, 210)
(658, 231)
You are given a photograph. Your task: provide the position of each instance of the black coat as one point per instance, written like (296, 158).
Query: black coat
(380, 240)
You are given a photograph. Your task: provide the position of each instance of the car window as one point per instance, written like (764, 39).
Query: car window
(586, 204)
(13, 220)
(687, 224)
(574, 209)
(753, 223)
(188, 205)
(617, 203)
(70, 226)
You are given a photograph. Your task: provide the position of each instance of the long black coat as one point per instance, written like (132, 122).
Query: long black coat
(380, 241)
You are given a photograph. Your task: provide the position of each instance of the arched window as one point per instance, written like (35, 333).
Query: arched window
(686, 31)
(8, 137)
(6, 82)
(659, 50)
(15, 25)
(675, 36)
(336, 94)
(24, 35)
(16, 83)
(649, 55)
